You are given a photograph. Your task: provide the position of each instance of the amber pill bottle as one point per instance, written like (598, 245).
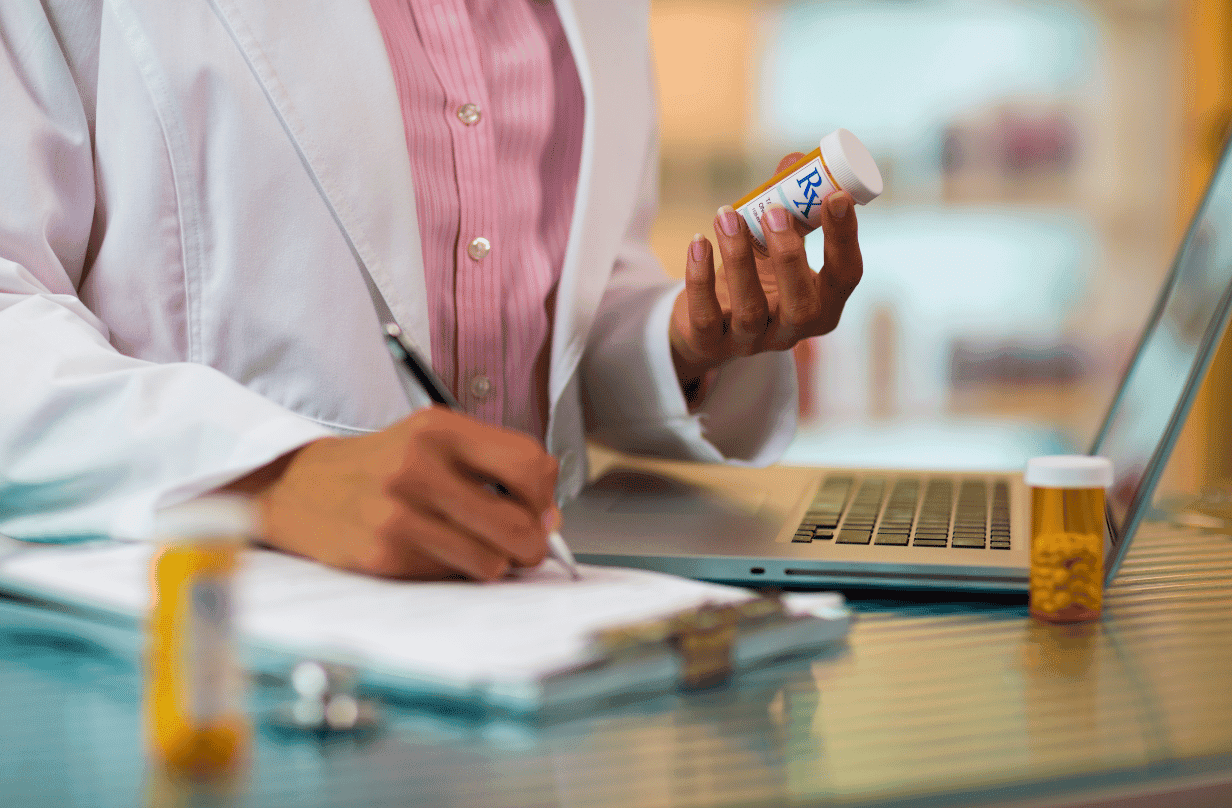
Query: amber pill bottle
(195, 721)
(1068, 531)
(839, 163)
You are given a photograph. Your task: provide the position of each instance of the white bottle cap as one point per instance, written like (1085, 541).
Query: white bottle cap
(210, 515)
(851, 166)
(1069, 471)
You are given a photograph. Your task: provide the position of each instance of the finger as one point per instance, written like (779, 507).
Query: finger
(510, 459)
(800, 305)
(405, 562)
(413, 541)
(749, 309)
(844, 265)
(705, 313)
(522, 470)
(419, 567)
(451, 494)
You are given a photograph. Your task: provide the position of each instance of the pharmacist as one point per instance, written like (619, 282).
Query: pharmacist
(191, 191)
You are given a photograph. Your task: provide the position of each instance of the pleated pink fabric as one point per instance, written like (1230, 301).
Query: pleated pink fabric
(493, 111)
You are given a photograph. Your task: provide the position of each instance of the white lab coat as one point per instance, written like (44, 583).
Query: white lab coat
(185, 189)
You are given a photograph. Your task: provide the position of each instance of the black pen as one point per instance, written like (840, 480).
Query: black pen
(421, 373)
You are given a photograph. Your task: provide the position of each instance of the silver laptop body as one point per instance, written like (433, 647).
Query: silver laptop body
(761, 526)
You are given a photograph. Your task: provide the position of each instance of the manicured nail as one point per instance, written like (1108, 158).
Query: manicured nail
(839, 204)
(776, 217)
(697, 247)
(729, 221)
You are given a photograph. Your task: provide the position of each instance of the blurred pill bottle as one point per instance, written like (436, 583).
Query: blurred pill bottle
(195, 721)
(1067, 536)
(840, 163)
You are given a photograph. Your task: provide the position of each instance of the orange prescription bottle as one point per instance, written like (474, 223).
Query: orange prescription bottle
(195, 721)
(840, 163)
(1067, 536)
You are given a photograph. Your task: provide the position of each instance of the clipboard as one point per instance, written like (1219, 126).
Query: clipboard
(98, 592)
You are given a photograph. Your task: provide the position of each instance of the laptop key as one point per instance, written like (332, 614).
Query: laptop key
(854, 537)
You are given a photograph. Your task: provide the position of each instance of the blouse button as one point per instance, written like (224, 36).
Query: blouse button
(478, 248)
(469, 114)
(481, 385)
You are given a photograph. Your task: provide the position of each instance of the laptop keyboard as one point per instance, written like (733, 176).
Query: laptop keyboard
(971, 514)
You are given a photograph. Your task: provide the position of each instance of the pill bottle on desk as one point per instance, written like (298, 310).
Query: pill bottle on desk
(840, 163)
(1067, 536)
(195, 721)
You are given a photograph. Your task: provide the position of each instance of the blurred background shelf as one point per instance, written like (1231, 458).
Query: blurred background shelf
(1041, 159)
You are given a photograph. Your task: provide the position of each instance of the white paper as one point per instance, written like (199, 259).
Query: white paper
(514, 630)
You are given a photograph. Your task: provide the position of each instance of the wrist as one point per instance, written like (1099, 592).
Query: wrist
(259, 480)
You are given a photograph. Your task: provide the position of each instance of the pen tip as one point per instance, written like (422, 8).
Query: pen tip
(560, 551)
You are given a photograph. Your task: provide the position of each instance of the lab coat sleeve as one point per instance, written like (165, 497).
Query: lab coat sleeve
(91, 440)
(632, 398)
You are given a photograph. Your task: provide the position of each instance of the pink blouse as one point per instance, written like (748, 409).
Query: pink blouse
(493, 112)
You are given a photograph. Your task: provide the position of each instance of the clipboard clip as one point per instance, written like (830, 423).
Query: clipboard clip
(702, 639)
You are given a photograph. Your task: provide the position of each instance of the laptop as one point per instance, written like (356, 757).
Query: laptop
(900, 529)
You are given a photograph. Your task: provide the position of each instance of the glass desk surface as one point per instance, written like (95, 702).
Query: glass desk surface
(946, 704)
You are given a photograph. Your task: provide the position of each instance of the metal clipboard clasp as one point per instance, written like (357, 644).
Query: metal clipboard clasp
(703, 639)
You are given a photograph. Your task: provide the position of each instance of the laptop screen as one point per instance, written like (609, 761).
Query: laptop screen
(1159, 386)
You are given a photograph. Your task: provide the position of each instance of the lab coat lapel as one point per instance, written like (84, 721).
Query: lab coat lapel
(602, 35)
(323, 66)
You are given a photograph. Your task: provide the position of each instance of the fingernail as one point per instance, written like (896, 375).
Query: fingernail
(729, 222)
(776, 217)
(839, 204)
(697, 248)
(550, 519)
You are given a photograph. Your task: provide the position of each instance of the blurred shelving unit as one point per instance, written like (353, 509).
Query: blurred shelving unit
(1031, 150)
